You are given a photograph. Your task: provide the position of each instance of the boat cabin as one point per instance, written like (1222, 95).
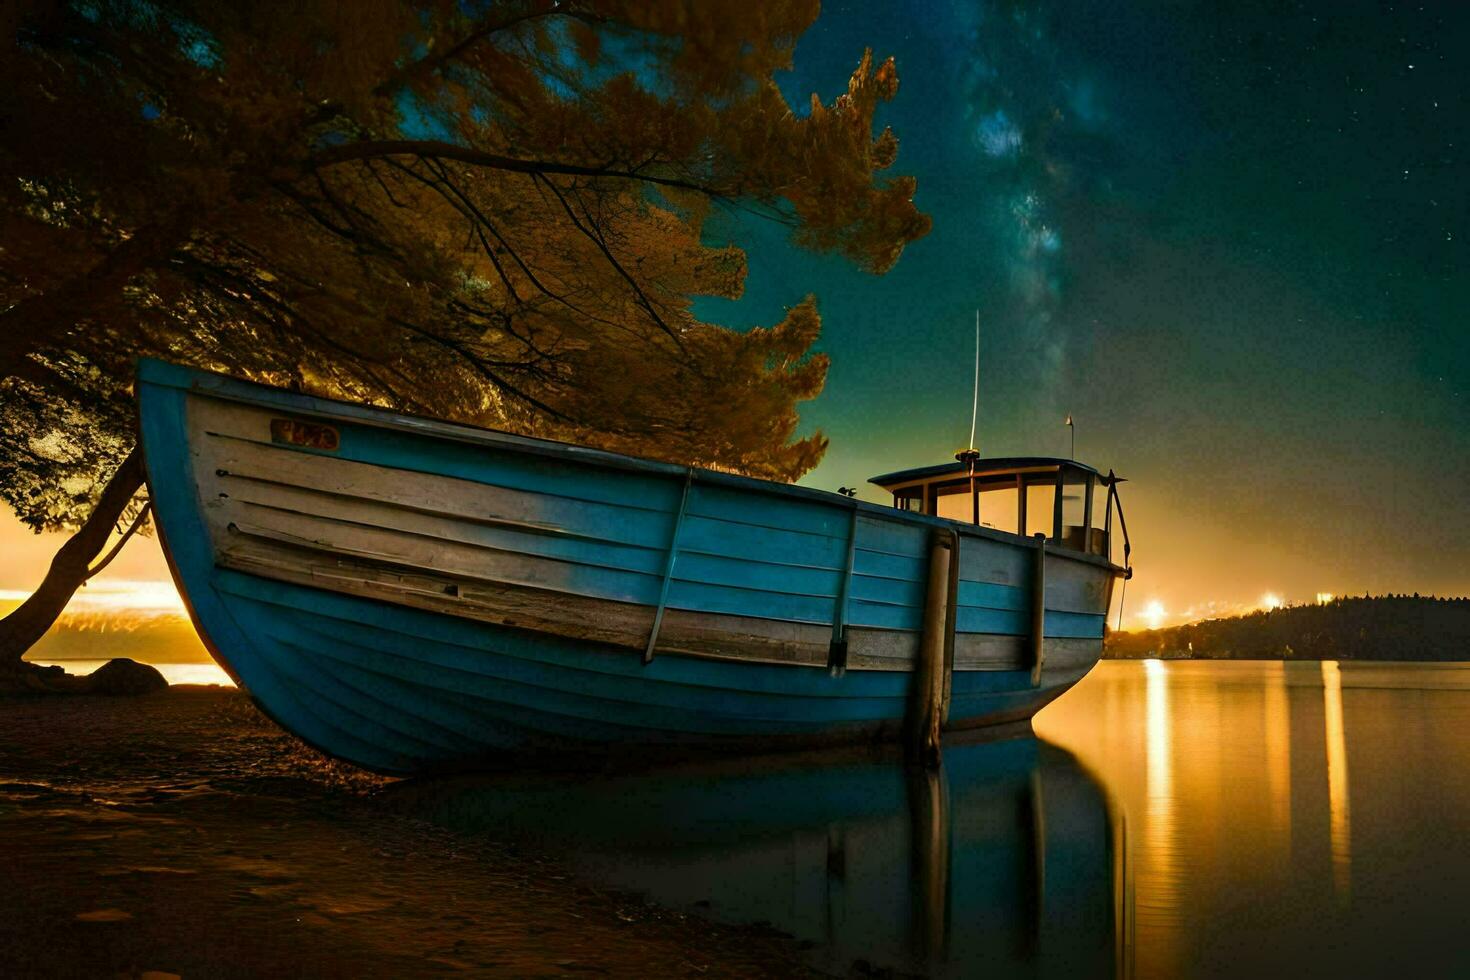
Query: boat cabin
(1067, 501)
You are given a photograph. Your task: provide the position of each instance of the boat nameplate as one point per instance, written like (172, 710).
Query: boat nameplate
(309, 435)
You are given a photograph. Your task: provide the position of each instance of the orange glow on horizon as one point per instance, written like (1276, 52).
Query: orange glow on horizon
(120, 598)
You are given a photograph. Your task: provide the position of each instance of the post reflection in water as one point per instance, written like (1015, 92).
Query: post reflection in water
(1337, 781)
(1001, 862)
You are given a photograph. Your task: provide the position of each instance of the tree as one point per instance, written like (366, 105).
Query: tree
(491, 212)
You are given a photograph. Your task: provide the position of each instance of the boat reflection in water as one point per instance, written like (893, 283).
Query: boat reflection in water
(1001, 861)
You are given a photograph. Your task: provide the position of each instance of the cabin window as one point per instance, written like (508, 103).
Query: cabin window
(1063, 501)
(1000, 507)
(910, 499)
(1074, 509)
(954, 502)
(1098, 545)
(1040, 498)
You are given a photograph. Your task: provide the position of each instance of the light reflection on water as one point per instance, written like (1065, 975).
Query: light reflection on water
(1284, 818)
(1339, 808)
(1173, 819)
(1155, 896)
(1206, 819)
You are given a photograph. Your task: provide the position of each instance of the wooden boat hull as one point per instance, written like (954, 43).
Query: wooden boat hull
(412, 596)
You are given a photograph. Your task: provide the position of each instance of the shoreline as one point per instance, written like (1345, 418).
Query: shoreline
(1257, 657)
(182, 832)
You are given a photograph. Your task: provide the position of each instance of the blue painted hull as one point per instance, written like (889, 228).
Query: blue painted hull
(370, 678)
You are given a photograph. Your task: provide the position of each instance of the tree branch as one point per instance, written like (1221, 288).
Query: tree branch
(441, 150)
(597, 239)
(132, 530)
(435, 60)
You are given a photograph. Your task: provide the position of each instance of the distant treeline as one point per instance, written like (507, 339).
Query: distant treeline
(1390, 627)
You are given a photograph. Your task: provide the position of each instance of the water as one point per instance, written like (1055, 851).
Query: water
(1309, 818)
(1174, 819)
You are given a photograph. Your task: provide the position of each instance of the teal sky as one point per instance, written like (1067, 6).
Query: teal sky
(1231, 240)
(1231, 244)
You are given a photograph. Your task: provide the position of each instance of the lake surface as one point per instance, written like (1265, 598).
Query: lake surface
(1283, 818)
(1173, 819)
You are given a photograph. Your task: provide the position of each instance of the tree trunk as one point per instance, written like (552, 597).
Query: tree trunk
(69, 569)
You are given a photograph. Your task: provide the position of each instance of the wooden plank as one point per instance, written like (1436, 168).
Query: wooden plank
(572, 617)
(741, 507)
(837, 654)
(1075, 587)
(885, 568)
(663, 593)
(627, 625)
(454, 560)
(951, 621)
(886, 591)
(896, 536)
(996, 562)
(556, 473)
(775, 546)
(221, 462)
(505, 537)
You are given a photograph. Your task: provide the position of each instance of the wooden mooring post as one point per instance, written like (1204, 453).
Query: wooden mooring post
(1038, 611)
(929, 698)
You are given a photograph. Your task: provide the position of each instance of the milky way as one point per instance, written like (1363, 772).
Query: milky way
(1231, 242)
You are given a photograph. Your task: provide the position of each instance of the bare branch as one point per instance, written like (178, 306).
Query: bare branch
(435, 60)
(132, 530)
(601, 244)
(441, 150)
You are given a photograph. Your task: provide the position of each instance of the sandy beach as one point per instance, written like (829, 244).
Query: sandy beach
(183, 833)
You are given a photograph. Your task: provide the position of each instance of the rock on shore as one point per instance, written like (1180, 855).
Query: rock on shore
(116, 677)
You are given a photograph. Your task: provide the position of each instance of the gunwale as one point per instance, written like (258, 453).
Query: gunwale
(164, 374)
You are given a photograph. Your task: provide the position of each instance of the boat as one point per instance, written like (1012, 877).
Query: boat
(413, 595)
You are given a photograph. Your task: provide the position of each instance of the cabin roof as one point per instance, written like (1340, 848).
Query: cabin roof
(992, 465)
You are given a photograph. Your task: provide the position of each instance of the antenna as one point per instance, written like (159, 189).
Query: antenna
(975, 406)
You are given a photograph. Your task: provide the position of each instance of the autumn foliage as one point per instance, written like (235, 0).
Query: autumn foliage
(492, 212)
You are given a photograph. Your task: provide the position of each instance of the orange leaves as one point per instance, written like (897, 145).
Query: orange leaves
(491, 212)
(884, 150)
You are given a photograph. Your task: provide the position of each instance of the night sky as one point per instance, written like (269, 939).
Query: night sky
(1230, 239)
